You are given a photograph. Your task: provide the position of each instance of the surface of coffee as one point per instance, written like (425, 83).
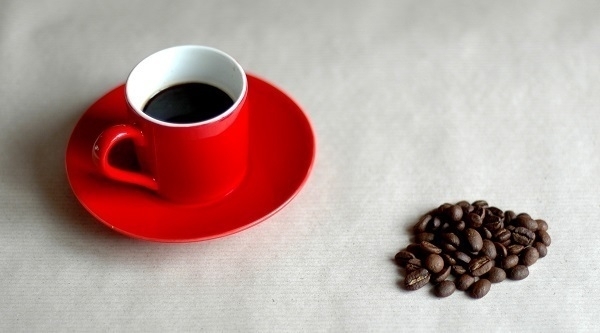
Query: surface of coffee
(468, 247)
(188, 103)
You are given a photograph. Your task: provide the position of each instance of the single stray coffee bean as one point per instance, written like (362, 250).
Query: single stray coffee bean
(468, 246)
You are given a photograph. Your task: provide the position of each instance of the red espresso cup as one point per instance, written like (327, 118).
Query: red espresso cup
(191, 147)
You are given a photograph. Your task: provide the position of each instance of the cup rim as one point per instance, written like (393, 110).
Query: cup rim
(236, 104)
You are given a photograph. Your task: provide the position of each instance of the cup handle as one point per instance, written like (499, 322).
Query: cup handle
(105, 143)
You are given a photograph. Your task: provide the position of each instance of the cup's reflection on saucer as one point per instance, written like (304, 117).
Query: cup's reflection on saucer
(188, 123)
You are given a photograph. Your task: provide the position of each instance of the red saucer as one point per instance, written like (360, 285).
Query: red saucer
(282, 151)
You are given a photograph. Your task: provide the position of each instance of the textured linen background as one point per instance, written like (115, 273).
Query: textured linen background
(414, 103)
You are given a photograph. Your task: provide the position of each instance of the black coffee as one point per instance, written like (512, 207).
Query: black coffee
(188, 103)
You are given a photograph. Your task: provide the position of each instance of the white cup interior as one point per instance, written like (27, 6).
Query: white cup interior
(185, 64)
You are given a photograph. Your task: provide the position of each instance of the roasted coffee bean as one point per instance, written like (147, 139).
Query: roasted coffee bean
(449, 260)
(509, 215)
(403, 257)
(413, 265)
(510, 261)
(480, 266)
(451, 238)
(523, 236)
(444, 289)
(460, 225)
(425, 237)
(434, 224)
(454, 213)
(488, 249)
(500, 250)
(477, 243)
(480, 288)
(526, 221)
(502, 234)
(542, 225)
(434, 263)
(542, 249)
(421, 226)
(463, 204)
(518, 272)
(496, 275)
(448, 248)
(416, 279)
(414, 248)
(480, 203)
(493, 223)
(461, 257)
(515, 248)
(473, 220)
(428, 247)
(464, 281)
(441, 275)
(458, 270)
(473, 239)
(544, 237)
(529, 256)
(485, 233)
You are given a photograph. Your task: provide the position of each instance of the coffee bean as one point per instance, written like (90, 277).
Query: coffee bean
(421, 226)
(461, 257)
(424, 237)
(544, 237)
(496, 275)
(509, 215)
(542, 249)
(444, 288)
(434, 263)
(464, 281)
(500, 250)
(416, 279)
(442, 275)
(523, 236)
(480, 203)
(434, 224)
(451, 238)
(529, 256)
(460, 225)
(414, 248)
(449, 260)
(542, 225)
(413, 265)
(428, 247)
(473, 239)
(488, 249)
(518, 272)
(477, 243)
(485, 233)
(473, 220)
(510, 261)
(480, 266)
(526, 221)
(502, 234)
(403, 257)
(480, 288)
(446, 247)
(458, 270)
(454, 213)
(515, 248)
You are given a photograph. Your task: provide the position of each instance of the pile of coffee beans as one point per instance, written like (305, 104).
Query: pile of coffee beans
(469, 246)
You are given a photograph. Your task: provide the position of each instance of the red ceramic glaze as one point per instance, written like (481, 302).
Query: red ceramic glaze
(280, 156)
